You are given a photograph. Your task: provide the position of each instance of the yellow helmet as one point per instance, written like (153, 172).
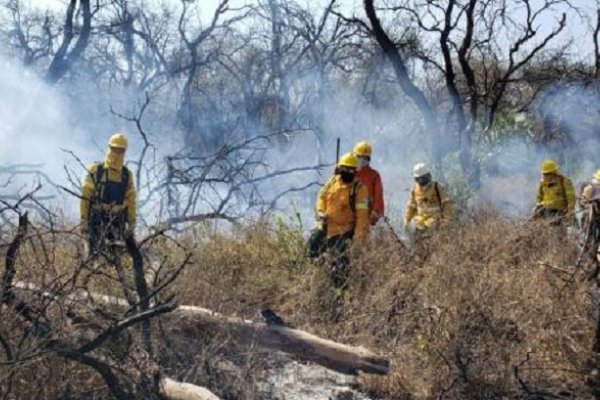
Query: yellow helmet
(548, 167)
(348, 160)
(363, 149)
(597, 175)
(118, 140)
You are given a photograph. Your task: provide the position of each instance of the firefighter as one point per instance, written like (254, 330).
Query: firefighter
(370, 178)
(343, 214)
(108, 197)
(427, 203)
(555, 195)
(590, 191)
(589, 200)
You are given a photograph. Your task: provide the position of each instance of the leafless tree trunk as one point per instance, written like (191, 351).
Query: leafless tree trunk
(596, 38)
(392, 53)
(64, 59)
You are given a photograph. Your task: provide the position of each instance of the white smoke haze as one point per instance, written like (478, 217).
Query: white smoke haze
(40, 121)
(37, 121)
(566, 130)
(44, 129)
(34, 125)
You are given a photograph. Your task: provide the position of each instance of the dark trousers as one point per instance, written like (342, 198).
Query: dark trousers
(105, 226)
(337, 247)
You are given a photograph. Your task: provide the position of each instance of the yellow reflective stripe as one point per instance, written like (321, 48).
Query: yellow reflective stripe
(362, 206)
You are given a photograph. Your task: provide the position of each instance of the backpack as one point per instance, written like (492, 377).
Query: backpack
(439, 197)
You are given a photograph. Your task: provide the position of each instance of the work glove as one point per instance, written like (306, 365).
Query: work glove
(84, 227)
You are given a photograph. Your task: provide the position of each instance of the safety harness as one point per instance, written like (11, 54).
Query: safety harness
(352, 200)
(107, 192)
(439, 197)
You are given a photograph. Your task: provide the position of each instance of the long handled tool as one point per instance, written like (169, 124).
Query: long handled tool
(395, 234)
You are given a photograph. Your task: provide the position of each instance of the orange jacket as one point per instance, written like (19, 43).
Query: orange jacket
(372, 180)
(334, 203)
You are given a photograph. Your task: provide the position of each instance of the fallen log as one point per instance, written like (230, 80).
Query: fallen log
(302, 345)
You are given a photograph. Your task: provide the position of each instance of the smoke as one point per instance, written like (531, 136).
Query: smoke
(570, 113)
(34, 127)
(75, 115)
(364, 104)
(564, 125)
(39, 121)
(382, 117)
(47, 131)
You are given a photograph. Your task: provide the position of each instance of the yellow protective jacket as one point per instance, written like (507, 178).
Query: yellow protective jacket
(89, 191)
(334, 203)
(590, 192)
(428, 205)
(556, 192)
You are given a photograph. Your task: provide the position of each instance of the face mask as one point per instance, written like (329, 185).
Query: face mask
(548, 178)
(347, 176)
(423, 180)
(362, 163)
(114, 160)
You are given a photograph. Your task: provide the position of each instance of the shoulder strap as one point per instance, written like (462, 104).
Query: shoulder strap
(437, 193)
(99, 172)
(99, 175)
(353, 192)
(562, 186)
(125, 176)
(97, 179)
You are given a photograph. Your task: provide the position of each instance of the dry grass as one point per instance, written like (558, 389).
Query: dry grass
(487, 308)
